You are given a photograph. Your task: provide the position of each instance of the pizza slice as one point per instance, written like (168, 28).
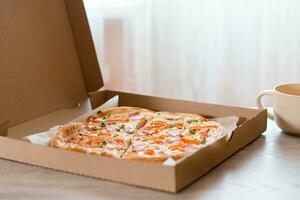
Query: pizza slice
(152, 141)
(106, 133)
(82, 138)
(172, 135)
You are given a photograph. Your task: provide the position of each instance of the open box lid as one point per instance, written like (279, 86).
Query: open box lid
(47, 58)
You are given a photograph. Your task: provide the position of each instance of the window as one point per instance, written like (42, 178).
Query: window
(212, 51)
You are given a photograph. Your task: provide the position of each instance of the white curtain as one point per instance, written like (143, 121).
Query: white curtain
(205, 50)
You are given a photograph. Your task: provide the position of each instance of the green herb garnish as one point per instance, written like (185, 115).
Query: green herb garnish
(192, 131)
(102, 144)
(93, 128)
(102, 124)
(191, 121)
(130, 132)
(122, 126)
(115, 135)
(171, 126)
(203, 140)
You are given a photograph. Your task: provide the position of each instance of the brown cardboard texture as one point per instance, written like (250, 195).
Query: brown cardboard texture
(47, 58)
(48, 62)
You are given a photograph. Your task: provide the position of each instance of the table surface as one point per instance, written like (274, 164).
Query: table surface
(267, 168)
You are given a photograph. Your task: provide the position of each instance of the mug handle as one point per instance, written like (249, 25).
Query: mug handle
(258, 100)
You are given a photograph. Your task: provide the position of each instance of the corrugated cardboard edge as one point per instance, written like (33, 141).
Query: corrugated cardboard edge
(260, 114)
(85, 45)
(192, 168)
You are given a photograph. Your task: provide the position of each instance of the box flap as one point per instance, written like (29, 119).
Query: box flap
(85, 45)
(44, 66)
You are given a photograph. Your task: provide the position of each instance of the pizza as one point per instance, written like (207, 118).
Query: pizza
(139, 134)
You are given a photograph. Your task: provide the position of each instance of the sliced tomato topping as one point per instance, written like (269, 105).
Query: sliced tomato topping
(160, 123)
(161, 137)
(154, 132)
(178, 125)
(149, 151)
(176, 146)
(150, 127)
(156, 124)
(157, 141)
(189, 141)
(119, 141)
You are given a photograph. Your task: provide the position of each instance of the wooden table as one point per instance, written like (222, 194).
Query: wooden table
(269, 168)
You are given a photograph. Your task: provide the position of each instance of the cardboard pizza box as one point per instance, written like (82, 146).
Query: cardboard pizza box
(48, 65)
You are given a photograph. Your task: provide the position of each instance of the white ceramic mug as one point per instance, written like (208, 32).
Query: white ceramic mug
(286, 106)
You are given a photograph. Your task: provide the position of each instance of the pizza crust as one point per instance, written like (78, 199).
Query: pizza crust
(122, 110)
(63, 132)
